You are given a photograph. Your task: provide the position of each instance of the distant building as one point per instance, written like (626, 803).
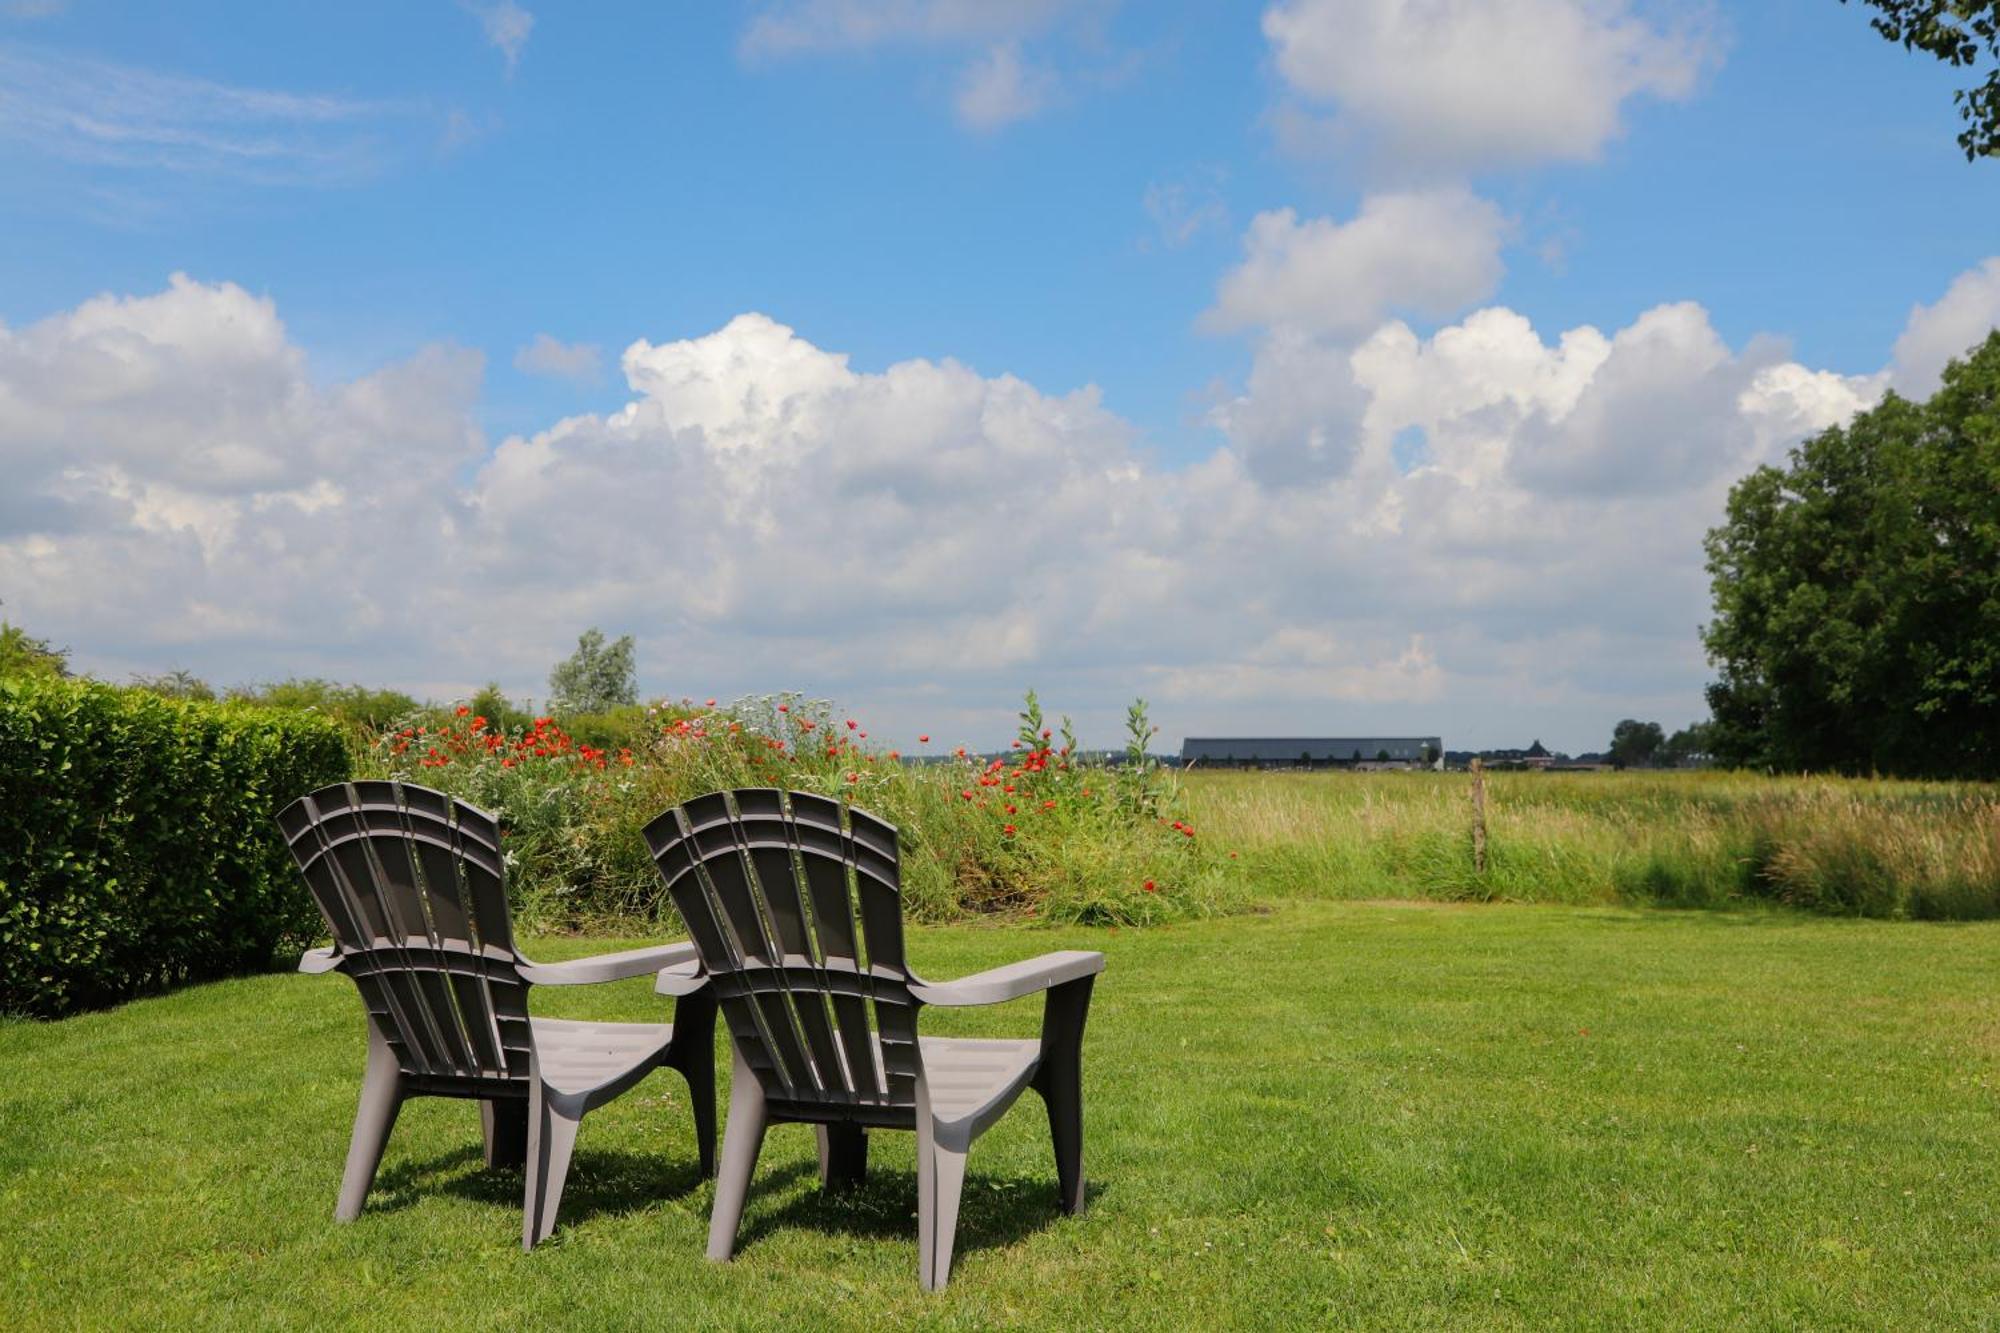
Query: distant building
(1312, 751)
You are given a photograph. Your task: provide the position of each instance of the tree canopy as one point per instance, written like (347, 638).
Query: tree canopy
(1857, 592)
(1633, 742)
(596, 677)
(1961, 33)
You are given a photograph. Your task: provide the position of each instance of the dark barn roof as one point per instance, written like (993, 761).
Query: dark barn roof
(1317, 749)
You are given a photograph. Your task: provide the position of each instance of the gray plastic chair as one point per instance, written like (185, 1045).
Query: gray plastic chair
(824, 1016)
(410, 883)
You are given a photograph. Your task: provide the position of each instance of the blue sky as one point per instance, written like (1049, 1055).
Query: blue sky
(1060, 192)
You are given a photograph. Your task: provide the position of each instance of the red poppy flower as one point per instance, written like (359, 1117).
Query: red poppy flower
(923, 740)
(1150, 887)
(1010, 808)
(463, 710)
(709, 704)
(1007, 830)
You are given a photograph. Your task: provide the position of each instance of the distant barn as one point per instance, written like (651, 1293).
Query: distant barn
(1311, 751)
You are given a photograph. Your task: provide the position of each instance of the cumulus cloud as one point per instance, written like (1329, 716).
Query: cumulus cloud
(920, 540)
(1433, 252)
(1938, 333)
(1467, 84)
(580, 363)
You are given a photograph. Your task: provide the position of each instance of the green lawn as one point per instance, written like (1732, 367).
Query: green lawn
(1335, 1114)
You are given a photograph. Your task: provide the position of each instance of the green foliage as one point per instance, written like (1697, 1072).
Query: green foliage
(1960, 33)
(596, 678)
(23, 655)
(1633, 743)
(1857, 593)
(1692, 744)
(499, 711)
(1026, 835)
(350, 705)
(176, 684)
(136, 845)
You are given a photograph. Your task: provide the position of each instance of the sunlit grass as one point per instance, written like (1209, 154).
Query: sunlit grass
(1854, 846)
(1332, 1115)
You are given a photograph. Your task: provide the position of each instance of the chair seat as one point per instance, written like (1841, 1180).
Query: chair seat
(976, 1079)
(580, 1058)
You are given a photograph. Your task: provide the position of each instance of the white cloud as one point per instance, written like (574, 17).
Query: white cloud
(507, 27)
(580, 363)
(1946, 329)
(811, 26)
(1181, 210)
(1003, 82)
(1432, 252)
(100, 114)
(920, 540)
(1466, 84)
(998, 89)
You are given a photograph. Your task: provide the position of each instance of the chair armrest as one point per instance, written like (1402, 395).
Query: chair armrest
(316, 961)
(997, 985)
(680, 979)
(609, 966)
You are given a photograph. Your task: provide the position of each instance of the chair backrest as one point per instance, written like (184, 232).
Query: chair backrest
(410, 883)
(798, 916)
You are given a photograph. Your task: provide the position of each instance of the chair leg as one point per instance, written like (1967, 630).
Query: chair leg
(940, 1181)
(381, 1099)
(693, 1054)
(1060, 1081)
(939, 1189)
(505, 1125)
(742, 1140)
(843, 1156)
(552, 1126)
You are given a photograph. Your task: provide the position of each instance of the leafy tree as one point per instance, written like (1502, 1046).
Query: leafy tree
(1633, 743)
(1691, 744)
(1960, 33)
(596, 678)
(1857, 592)
(23, 655)
(355, 705)
(500, 712)
(180, 683)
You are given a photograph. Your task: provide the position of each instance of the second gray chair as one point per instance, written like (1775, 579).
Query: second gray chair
(798, 916)
(409, 881)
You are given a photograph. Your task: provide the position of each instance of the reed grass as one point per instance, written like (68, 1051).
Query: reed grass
(1847, 846)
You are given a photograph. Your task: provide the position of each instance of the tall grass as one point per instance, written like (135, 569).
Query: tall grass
(1860, 847)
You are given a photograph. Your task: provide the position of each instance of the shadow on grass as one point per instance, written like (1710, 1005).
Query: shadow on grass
(994, 1212)
(601, 1182)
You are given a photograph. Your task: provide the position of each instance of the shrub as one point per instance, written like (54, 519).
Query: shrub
(136, 844)
(1025, 834)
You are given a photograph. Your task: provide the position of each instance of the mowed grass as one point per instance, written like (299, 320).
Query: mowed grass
(1336, 1114)
(1850, 846)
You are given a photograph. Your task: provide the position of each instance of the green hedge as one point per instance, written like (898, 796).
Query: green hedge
(136, 844)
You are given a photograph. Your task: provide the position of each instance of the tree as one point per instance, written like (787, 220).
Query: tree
(596, 678)
(180, 683)
(1960, 33)
(1857, 592)
(23, 655)
(1633, 743)
(1692, 744)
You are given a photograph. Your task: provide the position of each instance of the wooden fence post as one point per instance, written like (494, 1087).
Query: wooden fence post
(1478, 818)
